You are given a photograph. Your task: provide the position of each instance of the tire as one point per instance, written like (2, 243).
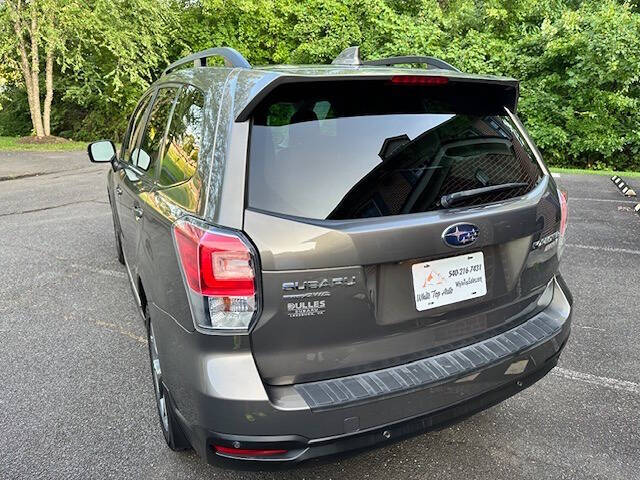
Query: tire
(116, 231)
(171, 428)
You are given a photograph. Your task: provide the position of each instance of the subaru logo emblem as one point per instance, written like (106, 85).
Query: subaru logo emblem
(460, 235)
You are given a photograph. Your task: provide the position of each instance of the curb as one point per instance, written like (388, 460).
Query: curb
(637, 209)
(625, 189)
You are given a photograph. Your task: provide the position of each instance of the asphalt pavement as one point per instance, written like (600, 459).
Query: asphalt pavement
(76, 398)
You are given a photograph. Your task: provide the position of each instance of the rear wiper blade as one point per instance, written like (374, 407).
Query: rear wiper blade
(448, 201)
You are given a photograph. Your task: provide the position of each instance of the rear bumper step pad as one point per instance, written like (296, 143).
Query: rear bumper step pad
(441, 368)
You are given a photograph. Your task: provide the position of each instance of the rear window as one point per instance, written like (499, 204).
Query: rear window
(370, 149)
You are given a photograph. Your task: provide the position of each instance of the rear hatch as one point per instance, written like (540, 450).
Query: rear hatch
(395, 219)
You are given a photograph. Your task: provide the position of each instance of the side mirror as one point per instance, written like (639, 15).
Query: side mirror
(102, 152)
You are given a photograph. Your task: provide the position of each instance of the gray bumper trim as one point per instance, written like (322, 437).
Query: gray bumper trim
(441, 368)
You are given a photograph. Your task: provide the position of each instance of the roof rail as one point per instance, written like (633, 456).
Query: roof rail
(232, 58)
(430, 61)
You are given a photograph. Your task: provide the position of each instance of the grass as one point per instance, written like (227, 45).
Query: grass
(608, 173)
(11, 144)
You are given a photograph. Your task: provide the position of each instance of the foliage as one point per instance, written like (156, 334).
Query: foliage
(580, 86)
(578, 61)
(15, 120)
(117, 49)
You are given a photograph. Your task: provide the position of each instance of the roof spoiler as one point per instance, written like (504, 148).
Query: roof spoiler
(501, 91)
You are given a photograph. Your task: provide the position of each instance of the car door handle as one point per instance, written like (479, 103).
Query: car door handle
(137, 212)
(118, 190)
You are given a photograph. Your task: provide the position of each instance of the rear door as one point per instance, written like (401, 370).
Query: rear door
(363, 265)
(177, 192)
(138, 176)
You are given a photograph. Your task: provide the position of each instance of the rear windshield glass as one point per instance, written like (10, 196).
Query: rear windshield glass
(371, 149)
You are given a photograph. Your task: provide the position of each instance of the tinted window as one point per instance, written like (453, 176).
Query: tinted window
(369, 150)
(135, 126)
(151, 143)
(184, 138)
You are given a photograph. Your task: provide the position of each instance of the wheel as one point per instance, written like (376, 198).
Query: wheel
(116, 230)
(171, 429)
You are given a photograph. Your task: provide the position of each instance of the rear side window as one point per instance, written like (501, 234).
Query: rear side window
(184, 138)
(371, 149)
(148, 153)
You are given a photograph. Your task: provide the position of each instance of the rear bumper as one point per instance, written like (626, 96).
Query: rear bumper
(300, 450)
(250, 416)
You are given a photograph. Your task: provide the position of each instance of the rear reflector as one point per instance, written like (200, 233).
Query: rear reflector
(418, 80)
(246, 452)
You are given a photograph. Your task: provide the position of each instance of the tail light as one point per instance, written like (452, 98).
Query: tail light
(564, 211)
(219, 268)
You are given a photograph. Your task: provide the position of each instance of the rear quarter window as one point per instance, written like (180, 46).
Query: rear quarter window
(184, 138)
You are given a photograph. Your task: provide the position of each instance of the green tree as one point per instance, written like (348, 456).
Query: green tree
(580, 90)
(101, 47)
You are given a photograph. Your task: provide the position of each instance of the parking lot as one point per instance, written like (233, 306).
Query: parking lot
(76, 398)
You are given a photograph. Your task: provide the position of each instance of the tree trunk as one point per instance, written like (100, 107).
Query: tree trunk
(46, 116)
(35, 74)
(26, 73)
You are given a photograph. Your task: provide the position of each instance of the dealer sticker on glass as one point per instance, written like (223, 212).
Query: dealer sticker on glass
(450, 280)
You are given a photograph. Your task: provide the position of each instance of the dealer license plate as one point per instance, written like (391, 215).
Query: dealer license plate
(450, 280)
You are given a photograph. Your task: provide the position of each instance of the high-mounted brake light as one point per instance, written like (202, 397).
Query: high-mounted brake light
(219, 266)
(419, 80)
(248, 452)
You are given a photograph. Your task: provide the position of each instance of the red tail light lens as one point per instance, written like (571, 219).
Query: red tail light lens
(246, 452)
(215, 264)
(419, 80)
(219, 266)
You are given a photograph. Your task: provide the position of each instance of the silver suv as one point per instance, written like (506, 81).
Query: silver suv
(328, 257)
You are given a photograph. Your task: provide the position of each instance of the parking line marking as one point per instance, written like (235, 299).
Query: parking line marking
(590, 328)
(101, 271)
(117, 329)
(612, 383)
(605, 249)
(571, 199)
